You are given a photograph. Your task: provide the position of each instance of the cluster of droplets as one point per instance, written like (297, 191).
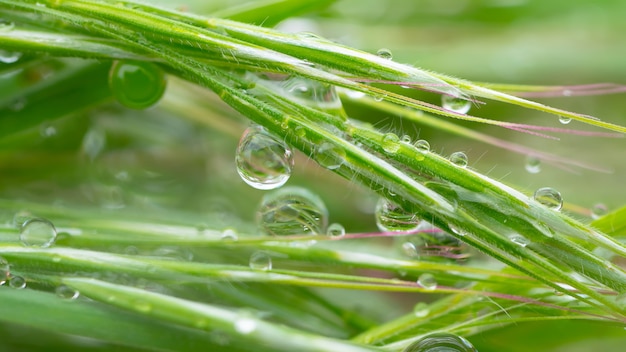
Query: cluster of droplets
(292, 211)
(440, 342)
(136, 84)
(262, 160)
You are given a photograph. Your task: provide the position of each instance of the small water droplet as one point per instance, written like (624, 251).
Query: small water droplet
(136, 84)
(354, 94)
(245, 323)
(599, 210)
(47, 131)
(519, 240)
(142, 306)
(330, 156)
(456, 230)
(459, 159)
(422, 146)
(455, 104)
(379, 97)
(385, 53)
(5, 271)
(313, 93)
(336, 230)
(392, 218)
(409, 249)
(17, 282)
(18, 104)
(6, 26)
(549, 197)
(533, 164)
(391, 143)
(406, 139)
(66, 292)
(263, 161)
(260, 261)
(93, 143)
(229, 235)
(21, 217)
(292, 211)
(421, 310)
(427, 281)
(564, 120)
(9, 57)
(38, 232)
(441, 342)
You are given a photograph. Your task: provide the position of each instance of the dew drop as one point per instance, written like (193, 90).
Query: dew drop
(313, 93)
(385, 53)
(427, 281)
(456, 230)
(9, 57)
(229, 235)
(142, 306)
(245, 323)
(38, 232)
(459, 159)
(263, 161)
(410, 249)
(564, 120)
(21, 217)
(441, 342)
(598, 210)
(335, 230)
(5, 271)
(47, 131)
(136, 84)
(422, 146)
(93, 143)
(66, 292)
(519, 240)
(406, 139)
(391, 143)
(533, 164)
(17, 282)
(455, 104)
(260, 261)
(292, 211)
(379, 98)
(330, 156)
(6, 26)
(421, 310)
(392, 218)
(549, 197)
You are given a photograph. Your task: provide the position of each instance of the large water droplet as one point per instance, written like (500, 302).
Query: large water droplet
(455, 104)
(38, 232)
(441, 342)
(292, 211)
(66, 292)
(260, 261)
(422, 146)
(427, 281)
(9, 57)
(599, 210)
(330, 156)
(391, 143)
(390, 217)
(533, 164)
(385, 53)
(459, 159)
(263, 161)
(17, 282)
(549, 197)
(565, 120)
(136, 84)
(336, 230)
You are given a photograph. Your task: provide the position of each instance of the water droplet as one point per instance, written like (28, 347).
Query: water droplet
(427, 281)
(392, 218)
(47, 131)
(519, 240)
(549, 197)
(385, 53)
(379, 97)
(564, 120)
(354, 94)
(21, 217)
(5, 270)
(263, 161)
(38, 232)
(9, 57)
(391, 143)
(409, 249)
(455, 104)
(136, 84)
(456, 230)
(598, 210)
(533, 164)
(441, 342)
(6, 26)
(260, 261)
(421, 310)
(245, 323)
(17, 282)
(66, 292)
(459, 159)
(93, 143)
(336, 230)
(330, 156)
(18, 104)
(313, 93)
(229, 235)
(142, 306)
(406, 139)
(422, 146)
(292, 211)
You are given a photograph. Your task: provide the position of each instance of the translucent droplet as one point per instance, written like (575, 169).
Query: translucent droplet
(549, 197)
(406, 139)
(6, 26)
(433, 244)
(392, 218)
(47, 131)
(260, 261)
(5, 271)
(9, 57)
(66, 292)
(17, 282)
(263, 161)
(292, 211)
(330, 156)
(427, 281)
(93, 144)
(533, 164)
(459, 159)
(391, 143)
(519, 240)
(336, 230)
(421, 310)
(136, 84)
(599, 210)
(409, 249)
(142, 306)
(229, 235)
(18, 104)
(385, 53)
(422, 146)
(245, 323)
(564, 120)
(313, 93)
(21, 217)
(379, 98)
(456, 229)
(457, 105)
(441, 342)
(38, 232)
